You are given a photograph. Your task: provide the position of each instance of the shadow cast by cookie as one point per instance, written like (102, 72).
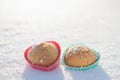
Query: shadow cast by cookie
(97, 73)
(34, 74)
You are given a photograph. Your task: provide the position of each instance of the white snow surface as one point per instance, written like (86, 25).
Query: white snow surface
(95, 23)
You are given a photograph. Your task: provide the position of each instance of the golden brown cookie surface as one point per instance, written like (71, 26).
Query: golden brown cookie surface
(43, 54)
(79, 56)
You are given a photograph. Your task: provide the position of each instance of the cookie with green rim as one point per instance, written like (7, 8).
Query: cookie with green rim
(80, 57)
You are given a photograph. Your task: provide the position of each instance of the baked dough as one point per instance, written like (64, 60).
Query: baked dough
(80, 56)
(44, 54)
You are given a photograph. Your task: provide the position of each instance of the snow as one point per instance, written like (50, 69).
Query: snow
(95, 23)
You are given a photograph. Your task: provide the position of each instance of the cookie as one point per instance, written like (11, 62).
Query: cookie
(44, 56)
(79, 57)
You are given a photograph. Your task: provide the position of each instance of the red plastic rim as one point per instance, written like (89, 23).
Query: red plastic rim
(51, 67)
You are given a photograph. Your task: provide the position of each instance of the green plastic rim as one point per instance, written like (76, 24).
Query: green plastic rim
(81, 68)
